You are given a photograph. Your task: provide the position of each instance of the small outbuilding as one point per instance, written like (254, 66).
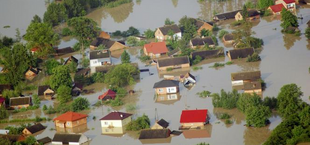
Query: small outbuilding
(173, 63)
(69, 139)
(108, 95)
(240, 53)
(34, 129)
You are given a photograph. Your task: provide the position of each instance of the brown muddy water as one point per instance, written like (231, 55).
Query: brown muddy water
(285, 59)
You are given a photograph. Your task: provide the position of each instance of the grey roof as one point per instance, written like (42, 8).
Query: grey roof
(227, 15)
(173, 61)
(199, 23)
(202, 41)
(228, 37)
(66, 138)
(154, 133)
(166, 83)
(42, 89)
(173, 52)
(101, 41)
(253, 76)
(44, 140)
(163, 123)
(241, 53)
(252, 13)
(35, 128)
(207, 53)
(252, 85)
(99, 54)
(166, 29)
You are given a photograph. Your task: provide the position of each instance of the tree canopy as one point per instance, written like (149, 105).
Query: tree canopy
(188, 27)
(79, 104)
(168, 22)
(262, 4)
(125, 57)
(121, 75)
(36, 19)
(257, 116)
(149, 34)
(61, 76)
(288, 19)
(142, 122)
(289, 100)
(55, 14)
(64, 94)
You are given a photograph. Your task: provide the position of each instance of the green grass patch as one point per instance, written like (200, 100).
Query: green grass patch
(227, 121)
(229, 63)
(203, 94)
(195, 68)
(37, 119)
(215, 65)
(225, 116)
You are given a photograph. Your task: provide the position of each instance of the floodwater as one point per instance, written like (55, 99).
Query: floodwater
(285, 59)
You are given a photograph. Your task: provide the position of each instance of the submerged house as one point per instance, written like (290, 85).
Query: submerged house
(69, 139)
(188, 79)
(99, 58)
(162, 33)
(206, 54)
(173, 63)
(194, 118)
(242, 77)
(107, 43)
(252, 15)
(225, 16)
(155, 49)
(20, 102)
(154, 133)
(166, 87)
(203, 25)
(240, 53)
(253, 87)
(161, 124)
(201, 42)
(70, 60)
(44, 140)
(63, 51)
(228, 39)
(77, 89)
(114, 122)
(31, 130)
(288, 4)
(108, 95)
(46, 91)
(32, 72)
(70, 120)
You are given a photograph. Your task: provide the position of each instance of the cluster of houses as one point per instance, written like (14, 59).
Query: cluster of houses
(249, 82)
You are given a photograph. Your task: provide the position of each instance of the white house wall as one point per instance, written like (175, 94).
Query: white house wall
(237, 83)
(114, 123)
(178, 35)
(171, 89)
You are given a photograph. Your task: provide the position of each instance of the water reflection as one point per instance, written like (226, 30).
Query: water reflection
(256, 136)
(78, 129)
(113, 130)
(175, 3)
(120, 13)
(167, 99)
(198, 133)
(289, 40)
(235, 114)
(156, 141)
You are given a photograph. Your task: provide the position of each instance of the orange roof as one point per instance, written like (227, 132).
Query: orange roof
(277, 8)
(70, 116)
(156, 47)
(104, 35)
(34, 49)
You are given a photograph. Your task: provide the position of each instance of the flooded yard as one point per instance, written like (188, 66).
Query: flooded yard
(285, 59)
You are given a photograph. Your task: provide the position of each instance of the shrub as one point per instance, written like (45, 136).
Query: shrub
(79, 104)
(225, 116)
(253, 58)
(142, 122)
(203, 94)
(197, 60)
(227, 121)
(66, 31)
(218, 65)
(44, 107)
(267, 12)
(117, 102)
(169, 69)
(144, 58)
(226, 100)
(76, 46)
(195, 68)
(222, 33)
(3, 113)
(98, 77)
(132, 41)
(229, 63)
(307, 33)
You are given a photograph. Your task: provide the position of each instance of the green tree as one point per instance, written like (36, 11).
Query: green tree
(188, 28)
(149, 34)
(61, 76)
(3, 112)
(64, 94)
(98, 77)
(50, 64)
(222, 33)
(288, 19)
(55, 14)
(257, 116)
(270, 102)
(121, 75)
(226, 100)
(66, 31)
(36, 19)
(205, 33)
(244, 13)
(30, 140)
(304, 116)
(15, 61)
(307, 33)
(36, 100)
(42, 36)
(75, 8)
(132, 31)
(84, 29)
(142, 122)
(79, 104)
(132, 41)
(125, 57)
(72, 67)
(263, 4)
(246, 101)
(85, 62)
(168, 22)
(5, 141)
(289, 100)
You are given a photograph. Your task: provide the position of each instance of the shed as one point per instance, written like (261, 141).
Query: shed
(174, 63)
(240, 53)
(33, 129)
(154, 133)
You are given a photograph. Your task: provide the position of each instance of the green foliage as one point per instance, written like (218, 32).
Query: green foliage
(18, 129)
(24, 120)
(270, 102)
(168, 22)
(307, 33)
(132, 41)
(225, 116)
(142, 122)
(215, 27)
(244, 13)
(77, 46)
(117, 33)
(50, 64)
(289, 100)
(250, 5)
(222, 33)
(55, 14)
(215, 65)
(197, 60)
(195, 68)
(26, 109)
(257, 116)
(5, 141)
(169, 69)
(288, 19)
(6, 42)
(30, 140)
(227, 121)
(255, 42)
(204, 94)
(44, 107)
(117, 3)
(188, 28)
(226, 100)
(66, 31)
(267, 12)
(36, 19)
(149, 34)
(97, 77)
(50, 110)
(64, 94)
(36, 100)
(85, 62)
(247, 100)
(121, 75)
(75, 8)
(125, 58)
(144, 58)
(263, 4)
(42, 36)
(236, 23)
(15, 61)
(10, 93)
(3, 112)
(117, 102)
(79, 104)
(205, 33)
(229, 63)
(253, 58)
(72, 67)
(61, 76)
(121, 92)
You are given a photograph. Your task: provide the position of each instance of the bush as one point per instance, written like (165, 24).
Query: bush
(229, 63)
(195, 68)
(117, 33)
(117, 102)
(215, 65)
(270, 102)
(267, 12)
(3, 113)
(169, 69)
(227, 121)
(66, 31)
(79, 104)
(132, 41)
(203, 94)
(197, 60)
(76, 46)
(222, 33)
(256, 42)
(226, 100)
(307, 33)
(144, 58)
(215, 28)
(44, 107)
(225, 116)
(142, 122)
(98, 77)
(149, 34)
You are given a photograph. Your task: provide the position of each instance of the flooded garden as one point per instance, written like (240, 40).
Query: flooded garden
(285, 60)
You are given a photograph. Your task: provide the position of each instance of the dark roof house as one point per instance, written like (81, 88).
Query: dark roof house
(225, 16)
(166, 83)
(42, 89)
(16, 101)
(240, 53)
(198, 42)
(253, 76)
(154, 133)
(163, 123)
(71, 59)
(205, 54)
(173, 61)
(101, 41)
(64, 51)
(44, 140)
(34, 129)
(116, 116)
(99, 54)
(69, 139)
(167, 28)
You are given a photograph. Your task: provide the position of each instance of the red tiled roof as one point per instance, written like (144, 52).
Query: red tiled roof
(70, 116)
(189, 116)
(289, 1)
(34, 49)
(2, 100)
(107, 93)
(156, 47)
(277, 8)
(116, 116)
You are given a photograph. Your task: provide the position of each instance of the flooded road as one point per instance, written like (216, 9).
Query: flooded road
(285, 59)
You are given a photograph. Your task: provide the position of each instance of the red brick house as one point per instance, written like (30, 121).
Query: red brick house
(108, 95)
(155, 49)
(194, 118)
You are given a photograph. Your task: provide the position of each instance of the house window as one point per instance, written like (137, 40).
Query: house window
(160, 90)
(106, 123)
(68, 123)
(95, 61)
(106, 130)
